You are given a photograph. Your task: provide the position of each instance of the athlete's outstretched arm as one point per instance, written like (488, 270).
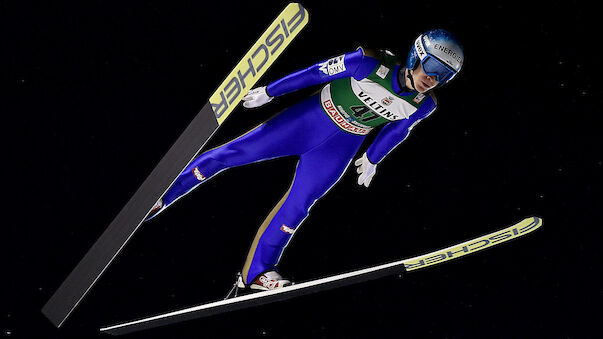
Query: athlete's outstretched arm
(345, 65)
(394, 133)
(357, 64)
(388, 138)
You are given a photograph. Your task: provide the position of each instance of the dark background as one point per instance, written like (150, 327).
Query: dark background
(98, 91)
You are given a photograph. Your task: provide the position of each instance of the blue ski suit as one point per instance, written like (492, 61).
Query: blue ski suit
(325, 150)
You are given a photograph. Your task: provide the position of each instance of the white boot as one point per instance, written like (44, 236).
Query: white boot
(266, 281)
(269, 280)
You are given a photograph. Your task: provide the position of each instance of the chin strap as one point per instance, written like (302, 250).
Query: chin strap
(403, 84)
(412, 81)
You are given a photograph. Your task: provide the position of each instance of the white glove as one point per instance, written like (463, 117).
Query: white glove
(366, 169)
(256, 97)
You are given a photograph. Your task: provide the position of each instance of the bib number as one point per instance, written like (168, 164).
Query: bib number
(363, 113)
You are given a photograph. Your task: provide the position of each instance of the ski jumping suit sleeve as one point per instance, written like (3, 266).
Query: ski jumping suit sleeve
(325, 131)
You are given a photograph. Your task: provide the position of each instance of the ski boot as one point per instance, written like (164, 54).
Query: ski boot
(266, 281)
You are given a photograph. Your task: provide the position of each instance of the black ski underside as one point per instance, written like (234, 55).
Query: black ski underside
(256, 299)
(115, 237)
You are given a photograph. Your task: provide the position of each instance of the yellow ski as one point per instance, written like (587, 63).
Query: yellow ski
(520, 229)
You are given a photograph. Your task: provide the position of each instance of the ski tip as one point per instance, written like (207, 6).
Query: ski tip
(533, 222)
(527, 225)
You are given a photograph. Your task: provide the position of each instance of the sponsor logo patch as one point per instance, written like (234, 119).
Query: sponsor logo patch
(450, 53)
(387, 101)
(340, 120)
(198, 174)
(419, 98)
(382, 72)
(286, 229)
(333, 66)
(419, 48)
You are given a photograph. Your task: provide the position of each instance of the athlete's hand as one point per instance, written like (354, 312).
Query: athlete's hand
(366, 169)
(256, 97)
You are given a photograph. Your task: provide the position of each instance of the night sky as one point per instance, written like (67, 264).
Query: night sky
(96, 93)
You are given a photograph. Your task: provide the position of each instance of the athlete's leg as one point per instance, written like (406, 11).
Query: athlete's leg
(291, 132)
(317, 171)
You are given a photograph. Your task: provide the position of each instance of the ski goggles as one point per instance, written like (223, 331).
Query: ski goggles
(433, 66)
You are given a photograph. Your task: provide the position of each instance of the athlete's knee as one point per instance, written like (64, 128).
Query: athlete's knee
(216, 160)
(309, 201)
(229, 155)
(296, 212)
(216, 155)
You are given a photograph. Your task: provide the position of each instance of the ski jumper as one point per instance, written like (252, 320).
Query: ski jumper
(325, 131)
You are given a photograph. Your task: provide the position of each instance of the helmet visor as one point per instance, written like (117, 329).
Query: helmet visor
(434, 67)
